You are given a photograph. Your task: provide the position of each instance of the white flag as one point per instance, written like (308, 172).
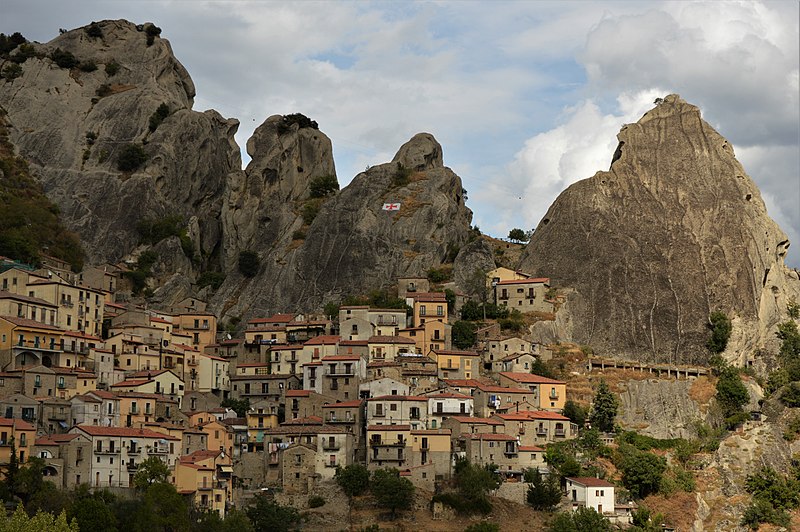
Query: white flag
(391, 206)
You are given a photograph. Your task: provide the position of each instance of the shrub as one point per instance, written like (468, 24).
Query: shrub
(24, 52)
(158, 116)
(9, 42)
(604, 408)
(402, 175)
(249, 263)
(87, 66)
(463, 334)
(353, 479)
(720, 326)
(302, 121)
(131, 157)
(316, 501)
(309, 212)
(581, 519)
(731, 392)
(438, 275)
(93, 30)
(299, 235)
(63, 58)
(103, 90)
(91, 137)
(112, 68)
(641, 470)
(323, 185)
(212, 279)
(575, 412)
(152, 31)
(483, 526)
(11, 72)
(543, 494)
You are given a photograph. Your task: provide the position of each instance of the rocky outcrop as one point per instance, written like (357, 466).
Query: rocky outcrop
(476, 255)
(673, 231)
(72, 125)
(352, 245)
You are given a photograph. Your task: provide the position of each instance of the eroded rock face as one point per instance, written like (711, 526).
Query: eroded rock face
(673, 231)
(51, 110)
(353, 244)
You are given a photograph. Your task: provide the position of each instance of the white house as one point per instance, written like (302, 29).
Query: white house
(591, 492)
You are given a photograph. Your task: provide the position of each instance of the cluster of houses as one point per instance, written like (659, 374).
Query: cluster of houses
(94, 386)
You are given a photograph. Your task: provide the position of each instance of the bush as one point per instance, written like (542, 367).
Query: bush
(266, 514)
(299, 235)
(641, 470)
(153, 231)
(575, 412)
(93, 30)
(9, 42)
(402, 175)
(731, 392)
(131, 157)
(112, 68)
(91, 137)
(249, 263)
(581, 520)
(310, 211)
(212, 279)
(353, 479)
(11, 72)
(158, 116)
(323, 185)
(24, 52)
(103, 90)
(463, 334)
(721, 328)
(543, 494)
(152, 31)
(439, 275)
(87, 66)
(63, 58)
(483, 526)
(316, 501)
(301, 120)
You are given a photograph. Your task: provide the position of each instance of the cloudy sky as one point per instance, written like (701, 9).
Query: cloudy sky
(526, 97)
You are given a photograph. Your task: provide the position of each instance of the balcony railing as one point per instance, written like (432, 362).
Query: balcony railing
(106, 451)
(560, 432)
(541, 431)
(134, 451)
(203, 486)
(157, 450)
(331, 445)
(340, 373)
(330, 464)
(192, 361)
(380, 443)
(340, 420)
(510, 452)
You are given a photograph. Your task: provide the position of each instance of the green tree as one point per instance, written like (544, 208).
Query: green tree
(575, 412)
(543, 494)
(322, 186)
(21, 522)
(266, 514)
(721, 327)
(240, 406)
(391, 491)
(731, 396)
(163, 509)
(93, 514)
(159, 115)
(249, 263)
(353, 479)
(463, 334)
(131, 157)
(483, 526)
(561, 457)
(581, 520)
(517, 235)
(604, 408)
(474, 482)
(790, 344)
(476, 287)
(149, 472)
(641, 470)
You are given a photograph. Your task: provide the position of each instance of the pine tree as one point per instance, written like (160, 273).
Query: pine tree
(604, 409)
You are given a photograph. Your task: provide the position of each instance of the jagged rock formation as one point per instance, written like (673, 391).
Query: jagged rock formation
(51, 110)
(673, 231)
(352, 244)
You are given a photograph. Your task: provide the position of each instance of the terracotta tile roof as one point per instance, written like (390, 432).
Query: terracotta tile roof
(275, 318)
(282, 347)
(298, 393)
(443, 432)
(536, 280)
(491, 437)
(335, 358)
(124, 432)
(103, 394)
(465, 383)
(25, 322)
(452, 352)
(323, 340)
(530, 449)
(390, 340)
(308, 420)
(18, 424)
(447, 395)
(398, 398)
(528, 378)
(55, 439)
(131, 383)
(501, 389)
(591, 482)
(19, 297)
(87, 398)
(154, 319)
(389, 428)
(476, 420)
(345, 404)
(428, 296)
(383, 364)
(362, 343)
(198, 456)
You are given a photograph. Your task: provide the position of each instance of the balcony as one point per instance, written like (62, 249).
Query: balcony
(60, 416)
(510, 452)
(135, 451)
(331, 446)
(106, 451)
(192, 361)
(560, 433)
(203, 486)
(396, 443)
(132, 466)
(553, 395)
(541, 431)
(340, 420)
(330, 464)
(157, 451)
(340, 373)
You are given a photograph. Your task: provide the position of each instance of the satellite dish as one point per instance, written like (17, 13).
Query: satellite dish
(228, 336)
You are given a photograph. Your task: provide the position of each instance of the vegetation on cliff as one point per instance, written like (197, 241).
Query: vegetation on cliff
(29, 222)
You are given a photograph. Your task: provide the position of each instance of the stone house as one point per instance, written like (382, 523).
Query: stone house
(455, 364)
(548, 394)
(67, 458)
(488, 399)
(524, 295)
(408, 410)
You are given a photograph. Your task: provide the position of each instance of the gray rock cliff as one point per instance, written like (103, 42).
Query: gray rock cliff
(673, 231)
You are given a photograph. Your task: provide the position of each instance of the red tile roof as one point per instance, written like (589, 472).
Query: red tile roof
(530, 449)
(323, 340)
(275, 318)
(391, 428)
(452, 352)
(390, 340)
(476, 420)
(536, 280)
(18, 424)
(398, 398)
(298, 393)
(55, 439)
(501, 389)
(448, 395)
(124, 432)
(428, 296)
(528, 378)
(25, 322)
(344, 404)
(491, 437)
(591, 482)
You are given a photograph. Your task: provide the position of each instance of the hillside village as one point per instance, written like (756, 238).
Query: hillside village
(94, 386)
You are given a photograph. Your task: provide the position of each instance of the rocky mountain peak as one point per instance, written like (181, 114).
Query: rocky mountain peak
(422, 152)
(673, 231)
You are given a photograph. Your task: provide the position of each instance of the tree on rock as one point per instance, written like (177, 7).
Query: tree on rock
(604, 409)
(721, 327)
(249, 263)
(391, 490)
(353, 479)
(517, 235)
(542, 494)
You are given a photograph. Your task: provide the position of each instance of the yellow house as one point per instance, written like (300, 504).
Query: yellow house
(81, 308)
(258, 420)
(429, 306)
(501, 274)
(220, 436)
(163, 382)
(32, 308)
(25, 342)
(548, 394)
(201, 326)
(206, 475)
(23, 434)
(457, 364)
(432, 335)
